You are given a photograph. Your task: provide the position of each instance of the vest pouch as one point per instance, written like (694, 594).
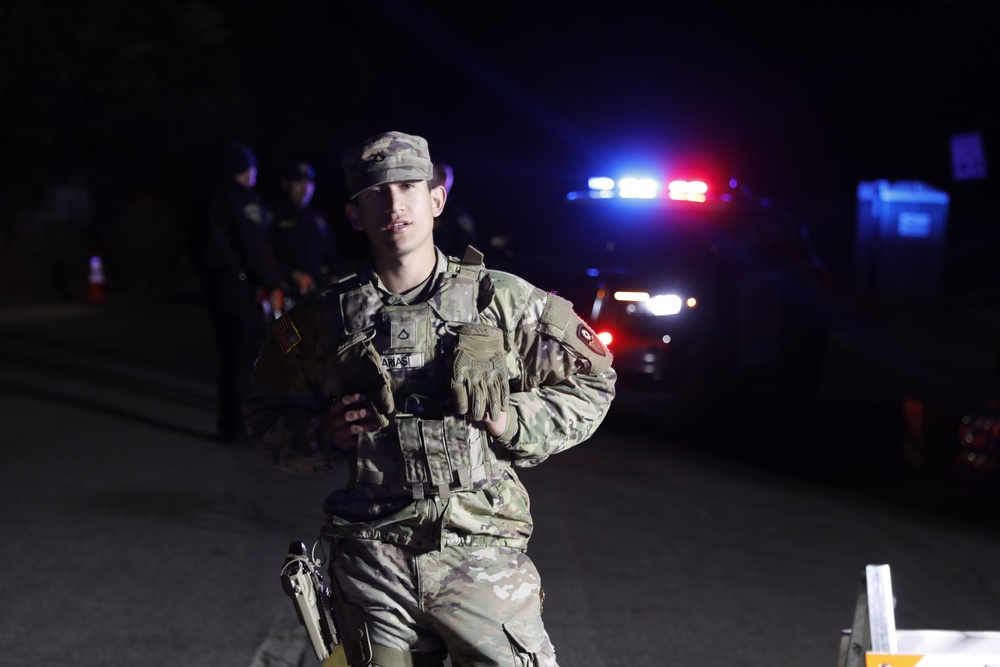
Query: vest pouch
(438, 459)
(415, 473)
(436, 450)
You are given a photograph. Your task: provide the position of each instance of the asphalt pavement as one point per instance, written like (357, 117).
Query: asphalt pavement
(131, 536)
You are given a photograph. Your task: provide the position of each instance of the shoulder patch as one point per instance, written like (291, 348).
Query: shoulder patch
(254, 213)
(590, 339)
(286, 335)
(560, 321)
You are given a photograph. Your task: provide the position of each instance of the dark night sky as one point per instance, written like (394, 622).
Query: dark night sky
(795, 100)
(525, 100)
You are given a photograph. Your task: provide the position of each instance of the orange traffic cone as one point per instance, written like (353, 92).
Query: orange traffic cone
(95, 281)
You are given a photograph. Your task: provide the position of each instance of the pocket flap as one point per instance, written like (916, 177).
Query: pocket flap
(527, 634)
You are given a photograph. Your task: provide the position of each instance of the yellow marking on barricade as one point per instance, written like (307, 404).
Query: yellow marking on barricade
(891, 660)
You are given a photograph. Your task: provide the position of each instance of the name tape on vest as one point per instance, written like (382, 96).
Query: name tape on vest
(404, 360)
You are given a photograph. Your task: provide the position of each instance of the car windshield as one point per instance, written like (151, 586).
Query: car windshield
(641, 242)
(635, 234)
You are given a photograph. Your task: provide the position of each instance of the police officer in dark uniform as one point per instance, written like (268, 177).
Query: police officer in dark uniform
(303, 245)
(241, 281)
(454, 229)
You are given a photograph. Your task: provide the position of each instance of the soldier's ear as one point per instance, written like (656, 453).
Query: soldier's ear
(438, 197)
(351, 211)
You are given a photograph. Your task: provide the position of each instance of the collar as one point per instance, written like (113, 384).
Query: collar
(368, 275)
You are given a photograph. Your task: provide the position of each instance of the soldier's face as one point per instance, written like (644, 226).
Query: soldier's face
(398, 218)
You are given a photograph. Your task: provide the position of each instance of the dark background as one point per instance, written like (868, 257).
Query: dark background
(132, 101)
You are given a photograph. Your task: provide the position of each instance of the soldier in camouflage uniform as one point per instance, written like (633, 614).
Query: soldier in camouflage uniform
(432, 379)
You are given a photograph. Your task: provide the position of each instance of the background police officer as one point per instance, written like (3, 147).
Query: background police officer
(303, 245)
(239, 275)
(454, 228)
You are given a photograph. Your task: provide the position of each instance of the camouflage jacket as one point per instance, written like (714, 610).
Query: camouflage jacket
(561, 385)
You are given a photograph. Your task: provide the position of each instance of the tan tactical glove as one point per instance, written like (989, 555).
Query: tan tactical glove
(479, 381)
(359, 368)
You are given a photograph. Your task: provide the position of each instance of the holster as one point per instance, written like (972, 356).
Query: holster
(330, 621)
(302, 581)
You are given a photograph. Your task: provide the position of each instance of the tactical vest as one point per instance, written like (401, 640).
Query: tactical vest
(424, 451)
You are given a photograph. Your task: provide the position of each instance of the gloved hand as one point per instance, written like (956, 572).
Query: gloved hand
(479, 380)
(359, 368)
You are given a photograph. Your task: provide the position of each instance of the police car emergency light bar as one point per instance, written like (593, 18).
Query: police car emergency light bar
(638, 188)
(601, 183)
(687, 190)
(603, 187)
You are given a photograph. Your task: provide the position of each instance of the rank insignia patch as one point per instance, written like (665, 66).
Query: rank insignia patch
(285, 333)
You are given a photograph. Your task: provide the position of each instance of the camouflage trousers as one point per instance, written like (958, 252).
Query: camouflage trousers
(481, 604)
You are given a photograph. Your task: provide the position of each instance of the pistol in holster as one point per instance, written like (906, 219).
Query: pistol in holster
(302, 580)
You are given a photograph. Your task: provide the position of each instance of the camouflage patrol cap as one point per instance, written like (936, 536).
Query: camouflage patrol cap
(386, 158)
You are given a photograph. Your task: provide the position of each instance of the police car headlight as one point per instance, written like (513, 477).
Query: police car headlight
(664, 304)
(644, 303)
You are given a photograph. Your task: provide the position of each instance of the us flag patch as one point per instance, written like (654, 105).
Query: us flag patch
(285, 333)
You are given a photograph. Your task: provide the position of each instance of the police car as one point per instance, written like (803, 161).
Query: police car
(702, 296)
